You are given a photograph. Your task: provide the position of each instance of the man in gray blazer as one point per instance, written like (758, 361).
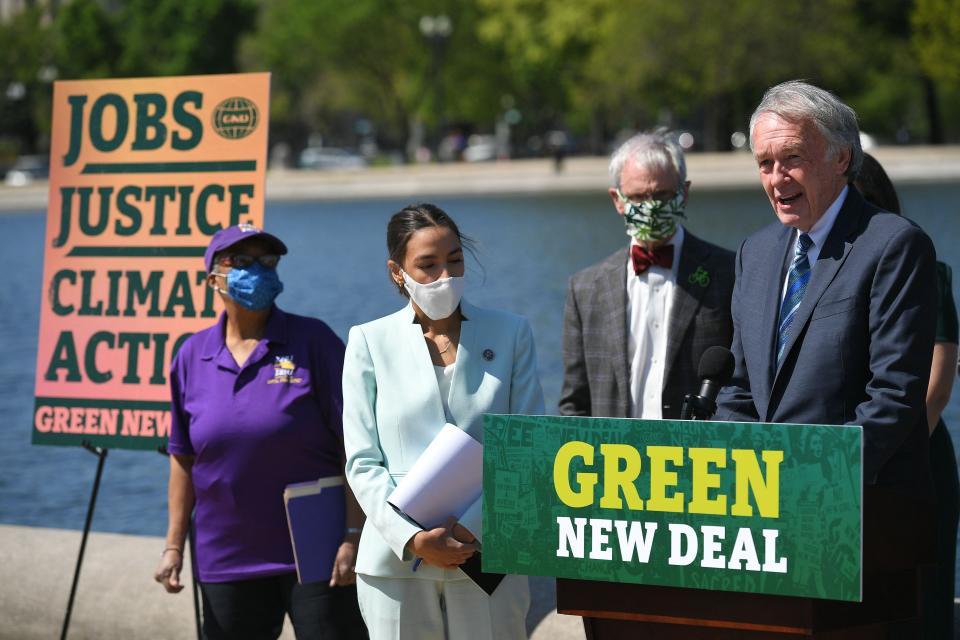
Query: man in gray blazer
(636, 324)
(834, 308)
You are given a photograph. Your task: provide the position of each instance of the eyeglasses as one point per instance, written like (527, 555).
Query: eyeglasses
(660, 196)
(242, 260)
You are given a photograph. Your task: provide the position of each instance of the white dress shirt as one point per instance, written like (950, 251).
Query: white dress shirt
(649, 301)
(818, 233)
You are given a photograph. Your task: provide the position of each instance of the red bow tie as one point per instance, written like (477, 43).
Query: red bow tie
(643, 258)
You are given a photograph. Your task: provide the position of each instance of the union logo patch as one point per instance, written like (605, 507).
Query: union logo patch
(283, 368)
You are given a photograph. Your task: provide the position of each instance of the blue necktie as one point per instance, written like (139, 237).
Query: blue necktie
(797, 281)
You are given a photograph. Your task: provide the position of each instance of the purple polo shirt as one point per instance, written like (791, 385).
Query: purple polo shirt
(253, 430)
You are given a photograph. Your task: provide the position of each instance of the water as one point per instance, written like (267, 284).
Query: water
(528, 246)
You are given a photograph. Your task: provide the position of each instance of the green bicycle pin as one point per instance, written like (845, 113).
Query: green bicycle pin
(700, 277)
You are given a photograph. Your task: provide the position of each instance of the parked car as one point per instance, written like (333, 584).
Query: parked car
(480, 148)
(28, 169)
(330, 158)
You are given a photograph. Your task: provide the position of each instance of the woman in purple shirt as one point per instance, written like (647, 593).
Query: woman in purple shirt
(256, 406)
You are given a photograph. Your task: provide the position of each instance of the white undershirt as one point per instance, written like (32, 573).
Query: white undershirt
(649, 301)
(818, 233)
(444, 376)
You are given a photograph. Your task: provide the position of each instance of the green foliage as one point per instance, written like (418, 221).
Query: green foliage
(368, 57)
(936, 39)
(545, 47)
(594, 67)
(85, 41)
(339, 55)
(24, 94)
(181, 37)
(675, 62)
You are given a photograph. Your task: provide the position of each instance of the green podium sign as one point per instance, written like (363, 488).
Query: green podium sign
(730, 506)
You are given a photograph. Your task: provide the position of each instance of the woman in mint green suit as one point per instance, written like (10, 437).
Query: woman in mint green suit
(437, 360)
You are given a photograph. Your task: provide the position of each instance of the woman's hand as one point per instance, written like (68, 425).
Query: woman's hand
(462, 534)
(345, 565)
(440, 548)
(168, 571)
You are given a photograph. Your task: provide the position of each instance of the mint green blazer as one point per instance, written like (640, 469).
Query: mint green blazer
(392, 410)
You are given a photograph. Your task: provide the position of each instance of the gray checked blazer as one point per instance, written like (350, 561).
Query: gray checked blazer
(596, 373)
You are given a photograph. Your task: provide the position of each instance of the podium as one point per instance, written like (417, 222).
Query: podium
(899, 543)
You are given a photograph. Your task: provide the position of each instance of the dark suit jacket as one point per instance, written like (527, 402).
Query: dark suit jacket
(596, 373)
(861, 343)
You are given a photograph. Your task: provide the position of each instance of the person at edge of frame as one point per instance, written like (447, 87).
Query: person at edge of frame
(256, 406)
(872, 181)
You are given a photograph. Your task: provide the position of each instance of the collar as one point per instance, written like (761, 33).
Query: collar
(819, 232)
(215, 339)
(676, 240)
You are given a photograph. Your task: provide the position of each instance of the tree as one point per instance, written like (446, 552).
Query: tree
(704, 66)
(24, 89)
(544, 47)
(181, 37)
(335, 61)
(936, 39)
(85, 41)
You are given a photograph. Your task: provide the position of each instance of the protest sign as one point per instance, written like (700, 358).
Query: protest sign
(142, 172)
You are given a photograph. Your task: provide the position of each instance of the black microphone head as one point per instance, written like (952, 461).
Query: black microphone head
(716, 364)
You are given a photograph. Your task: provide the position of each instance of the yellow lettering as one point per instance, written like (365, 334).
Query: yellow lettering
(704, 480)
(616, 479)
(660, 479)
(561, 475)
(765, 489)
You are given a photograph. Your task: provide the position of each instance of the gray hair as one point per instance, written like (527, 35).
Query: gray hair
(649, 149)
(797, 101)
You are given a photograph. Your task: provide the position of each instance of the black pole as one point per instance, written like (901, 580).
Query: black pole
(191, 539)
(101, 454)
(441, 119)
(437, 97)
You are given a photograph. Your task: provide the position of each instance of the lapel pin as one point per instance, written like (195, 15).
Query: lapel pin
(700, 277)
(488, 355)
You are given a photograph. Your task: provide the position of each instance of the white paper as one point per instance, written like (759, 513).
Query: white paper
(444, 481)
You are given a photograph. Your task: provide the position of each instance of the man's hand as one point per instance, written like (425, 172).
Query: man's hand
(168, 571)
(441, 548)
(345, 565)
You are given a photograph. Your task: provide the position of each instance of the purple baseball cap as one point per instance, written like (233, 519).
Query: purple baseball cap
(230, 236)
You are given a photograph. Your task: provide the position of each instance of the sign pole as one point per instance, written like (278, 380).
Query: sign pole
(101, 453)
(191, 538)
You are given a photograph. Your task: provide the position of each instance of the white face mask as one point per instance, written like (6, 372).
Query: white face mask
(438, 299)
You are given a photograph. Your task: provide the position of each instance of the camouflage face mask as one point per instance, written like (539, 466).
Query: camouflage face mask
(652, 219)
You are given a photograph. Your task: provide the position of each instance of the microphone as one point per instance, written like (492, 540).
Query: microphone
(715, 370)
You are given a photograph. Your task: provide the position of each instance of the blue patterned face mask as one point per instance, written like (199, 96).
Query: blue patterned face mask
(254, 287)
(652, 219)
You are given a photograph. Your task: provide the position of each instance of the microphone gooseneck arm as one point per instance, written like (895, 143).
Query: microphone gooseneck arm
(716, 369)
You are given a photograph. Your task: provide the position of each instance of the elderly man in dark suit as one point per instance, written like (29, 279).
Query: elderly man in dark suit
(834, 308)
(637, 323)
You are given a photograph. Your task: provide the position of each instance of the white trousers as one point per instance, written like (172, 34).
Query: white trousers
(418, 609)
